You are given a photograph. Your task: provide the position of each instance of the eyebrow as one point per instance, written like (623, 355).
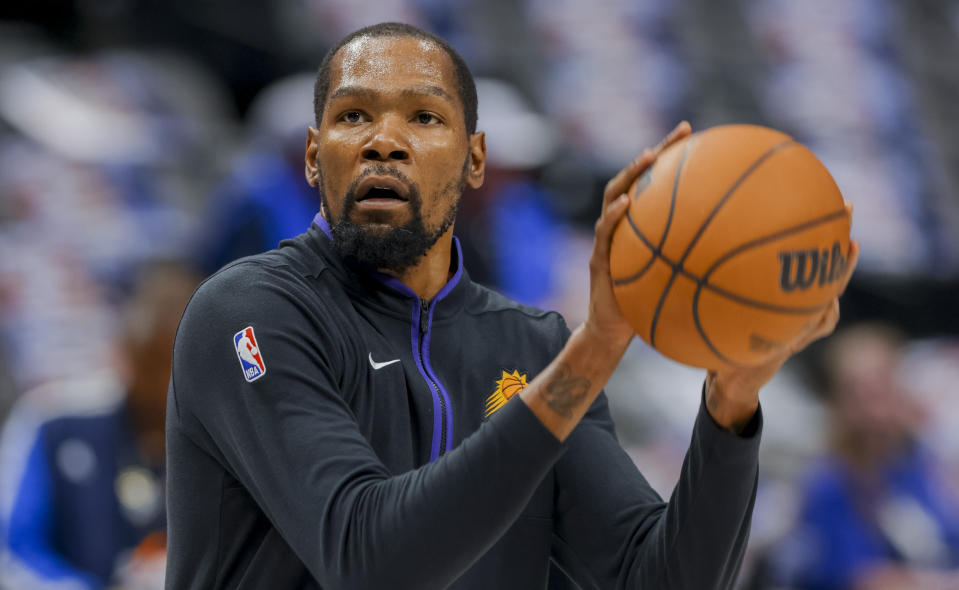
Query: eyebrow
(412, 91)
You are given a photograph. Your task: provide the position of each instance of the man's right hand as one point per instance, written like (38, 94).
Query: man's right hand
(605, 320)
(562, 393)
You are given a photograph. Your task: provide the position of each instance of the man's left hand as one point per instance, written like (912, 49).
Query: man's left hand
(732, 395)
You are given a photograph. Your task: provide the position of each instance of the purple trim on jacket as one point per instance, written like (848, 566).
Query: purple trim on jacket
(421, 348)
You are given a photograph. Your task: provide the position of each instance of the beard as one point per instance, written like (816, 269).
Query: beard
(385, 247)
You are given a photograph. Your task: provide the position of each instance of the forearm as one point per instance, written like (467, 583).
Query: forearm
(617, 532)
(407, 531)
(562, 393)
(701, 537)
(418, 540)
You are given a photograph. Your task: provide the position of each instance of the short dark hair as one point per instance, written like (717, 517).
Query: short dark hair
(464, 78)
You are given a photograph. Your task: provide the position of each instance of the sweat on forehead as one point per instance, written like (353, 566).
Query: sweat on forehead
(357, 46)
(377, 57)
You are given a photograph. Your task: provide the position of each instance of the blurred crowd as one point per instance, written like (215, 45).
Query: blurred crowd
(144, 145)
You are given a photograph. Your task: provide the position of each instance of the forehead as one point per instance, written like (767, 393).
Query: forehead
(391, 63)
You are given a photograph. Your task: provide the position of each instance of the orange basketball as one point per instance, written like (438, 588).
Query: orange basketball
(734, 241)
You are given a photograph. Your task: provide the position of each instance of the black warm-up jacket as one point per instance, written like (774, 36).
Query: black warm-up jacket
(354, 450)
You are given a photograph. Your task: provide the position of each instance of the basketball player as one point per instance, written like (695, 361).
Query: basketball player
(402, 427)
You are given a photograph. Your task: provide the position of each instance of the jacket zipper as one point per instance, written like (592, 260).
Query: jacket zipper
(424, 319)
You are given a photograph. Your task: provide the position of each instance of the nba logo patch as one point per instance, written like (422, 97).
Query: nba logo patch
(248, 352)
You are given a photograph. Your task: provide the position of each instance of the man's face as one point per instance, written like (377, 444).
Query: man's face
(391, 156)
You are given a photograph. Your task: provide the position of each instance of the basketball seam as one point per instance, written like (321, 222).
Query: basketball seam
(704, 282)
(702, 333)
(702, 228)
(659, 308)
(729, 193)
(772, 238)
(742, 299)
(656, 250)
(672, 200)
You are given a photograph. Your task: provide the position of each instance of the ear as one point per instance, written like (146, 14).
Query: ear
(477, 170)
(311, 170)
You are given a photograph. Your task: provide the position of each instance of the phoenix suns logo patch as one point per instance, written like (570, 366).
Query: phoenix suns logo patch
(508, 386)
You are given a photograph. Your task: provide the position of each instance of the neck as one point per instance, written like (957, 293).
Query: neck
(432, 272)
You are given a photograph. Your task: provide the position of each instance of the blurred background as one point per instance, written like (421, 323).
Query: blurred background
(144, 144)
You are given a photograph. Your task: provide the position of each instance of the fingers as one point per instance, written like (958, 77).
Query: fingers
(624, 179)
(679, 131)
(616, 202)
(604, 232)
(830, 318)
(827, 323)
(821, 327)
(851, 260)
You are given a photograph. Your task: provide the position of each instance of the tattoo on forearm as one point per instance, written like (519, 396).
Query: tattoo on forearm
(564, 391)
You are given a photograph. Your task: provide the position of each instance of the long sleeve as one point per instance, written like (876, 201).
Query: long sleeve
(614, 531)
(291, 440)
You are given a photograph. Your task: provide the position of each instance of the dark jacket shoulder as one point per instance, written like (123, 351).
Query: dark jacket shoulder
(487, 304)
(265, 278)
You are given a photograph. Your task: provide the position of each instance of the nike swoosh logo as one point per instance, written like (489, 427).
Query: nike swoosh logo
(378, 366)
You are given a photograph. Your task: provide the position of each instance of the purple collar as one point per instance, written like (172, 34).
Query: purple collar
(323, 224)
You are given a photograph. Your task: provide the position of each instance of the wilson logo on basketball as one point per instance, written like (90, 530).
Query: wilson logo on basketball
(800, 269)
(508, 386)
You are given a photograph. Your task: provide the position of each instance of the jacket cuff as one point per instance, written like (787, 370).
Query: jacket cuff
(714, 435)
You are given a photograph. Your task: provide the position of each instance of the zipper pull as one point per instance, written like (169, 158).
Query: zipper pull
(424, 316)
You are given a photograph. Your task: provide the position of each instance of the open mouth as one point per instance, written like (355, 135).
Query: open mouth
(378, 192)
(382, 191)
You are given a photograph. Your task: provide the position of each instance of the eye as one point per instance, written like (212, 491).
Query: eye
(426, 118)
(352, 117)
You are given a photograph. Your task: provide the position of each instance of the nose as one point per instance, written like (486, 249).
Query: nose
(387, 142)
